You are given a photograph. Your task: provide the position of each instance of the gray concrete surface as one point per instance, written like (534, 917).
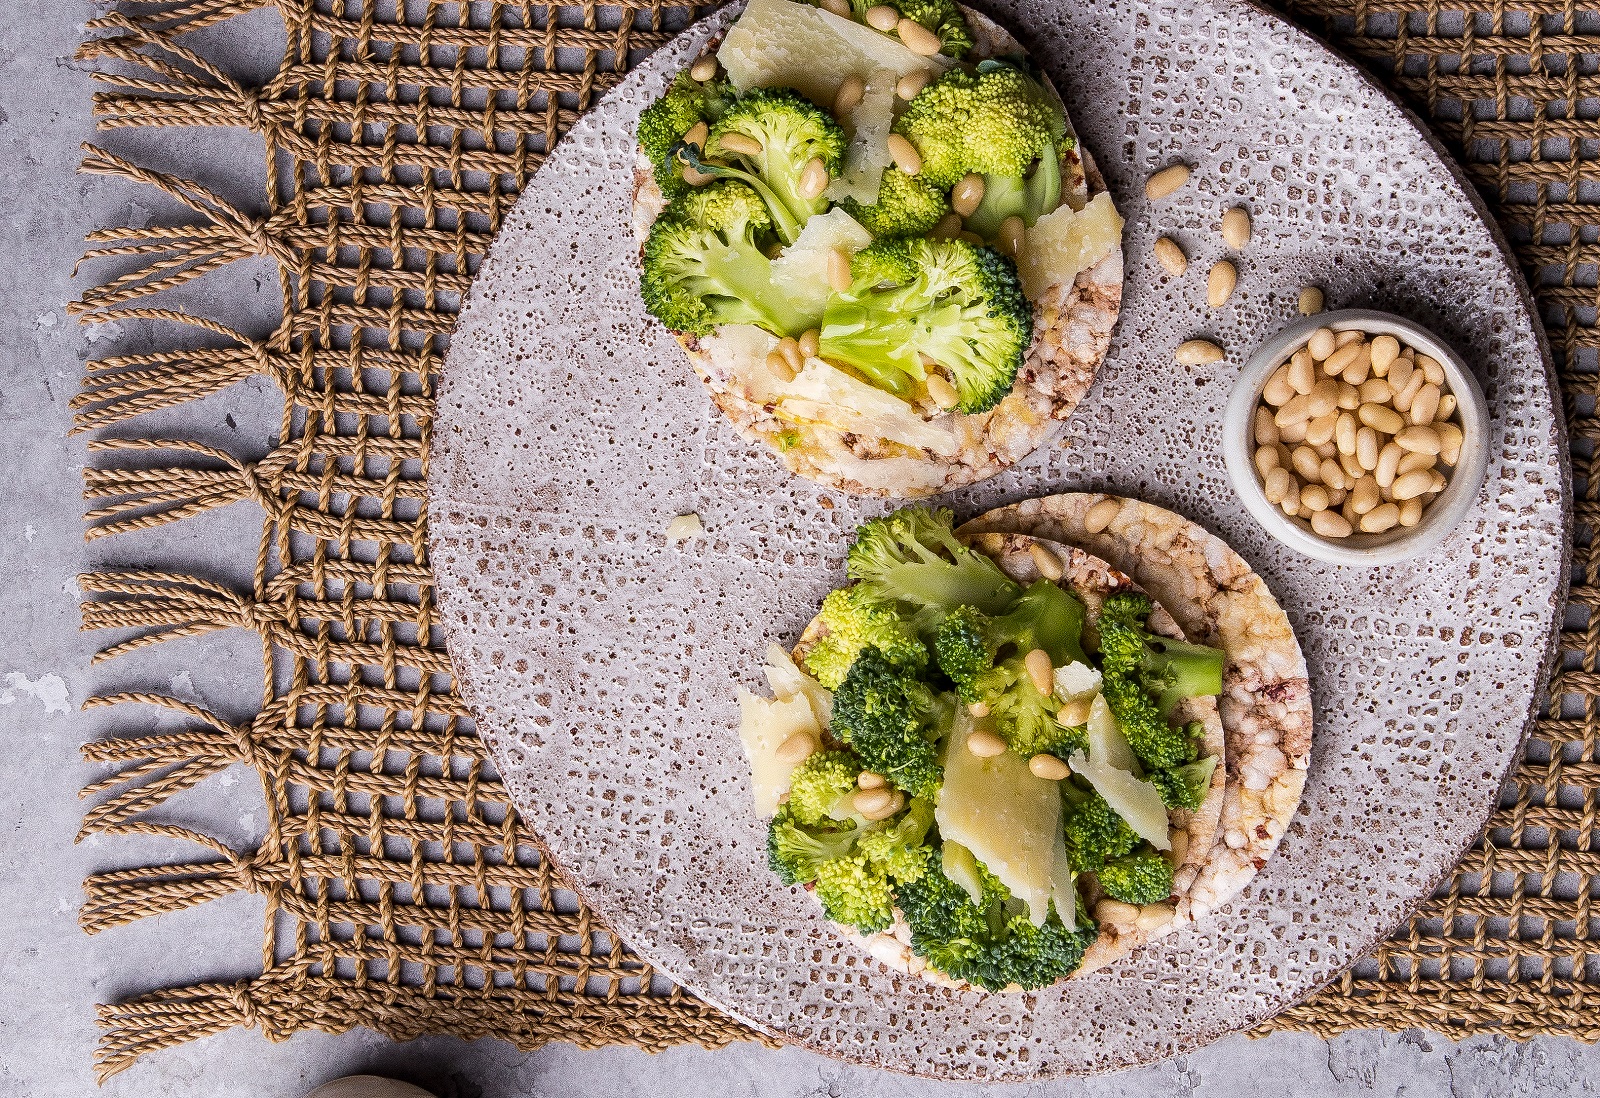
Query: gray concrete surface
(51, 974)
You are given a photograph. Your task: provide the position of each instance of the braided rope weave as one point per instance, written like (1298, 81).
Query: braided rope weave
(403, 893)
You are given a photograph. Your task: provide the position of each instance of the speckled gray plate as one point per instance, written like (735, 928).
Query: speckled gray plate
(601, 665)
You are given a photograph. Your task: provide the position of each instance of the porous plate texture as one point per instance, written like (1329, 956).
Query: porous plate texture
(601, 664)
(1072, 330)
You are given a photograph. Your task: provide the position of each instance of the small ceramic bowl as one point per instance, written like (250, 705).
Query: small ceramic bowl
(1358, 550)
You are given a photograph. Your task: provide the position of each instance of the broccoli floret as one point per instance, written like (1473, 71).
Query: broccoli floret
(959, 304)
(792, 131)
(1145, 676)
(997, 121)
(1025, 718)
(893, 721)
(992, 944)
(899, 849)
(1184, 786)
(855, 621)
(906, 206)
(968, 642)
(1094, 831)
(819, 782)
(664, 122)
(912, 556)
(704, 265)
(856, 892)
(795, 851)
(1137, 878)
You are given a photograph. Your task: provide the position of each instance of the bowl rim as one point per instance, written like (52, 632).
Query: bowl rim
(1359, 550)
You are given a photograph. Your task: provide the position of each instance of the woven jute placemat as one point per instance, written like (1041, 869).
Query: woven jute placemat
(403, 894)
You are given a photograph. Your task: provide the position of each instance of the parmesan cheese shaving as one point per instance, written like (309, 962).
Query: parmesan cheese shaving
(867, 157)
(764, 723)
(821, 393)
(1134, 800)
(1065, 242)
(802, 269)
(684, 528)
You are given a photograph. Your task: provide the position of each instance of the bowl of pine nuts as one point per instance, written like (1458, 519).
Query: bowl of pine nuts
(1356, 437)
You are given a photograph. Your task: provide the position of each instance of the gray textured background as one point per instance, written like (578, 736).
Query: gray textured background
(51, 975)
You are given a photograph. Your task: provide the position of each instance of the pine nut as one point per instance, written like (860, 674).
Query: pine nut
(969, 237)
(1220, 283)
(1439, 482)
(1375, 390)
(868, 780)
(1116, 913)
(838, 270)
(1075, 712)
(1278, 484)
(1411, 512)
(839, 7)
(1325, 450)
(1399, 375)
(1320, 344)
(1101, 515)
(1381, 518)
(1320, 430)
(703, 69)
(852, 90)
(1450, 440)
(1388, 465)
(943, 393)
(1349, 397)
(1041, 671)
(1291, 503)
(1419, 440)
(1012, 235)
(1335, 363)
(1294, 433)
(1365, 495)
(1404, 398)
(904, 154)
(1311, 301)
(948, 228)
(1306, 462)
(1426, 405)
(739, 144)
(911, 84)
(882, 17)
(1050, 768)
(1331, 473)
(1411, 485)
(1266, 459)
(1048, 564)
(966, 194)
(917, 38)
(1302, 371)
(779, 367)
(1344, 433)
(1236, 227)
(1169, 253)
(985, 745)
(1367, 448)
(1385, 349)
(1314, 498)
(1351, 464)
(1330, 524)
(874, 804)
(1152, 916)
(697, 135)
(1266, 430)
(789, 348)
(1431, 369)
(1358, 369)
(797, 748)
(1166, 181)
(1324, 398)
(1380, 418)
(979, 709)
(1414, 461)
(1278, 390)
(810, 343)
(1198, 352)
(814, 180)
(1179, 838)
(1447, 406)
(1350, 335)
(1298, 410)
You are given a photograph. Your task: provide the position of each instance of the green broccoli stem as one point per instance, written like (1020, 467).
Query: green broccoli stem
(1190, 670)
(1029, 198)
(746, 275)
(783, 219)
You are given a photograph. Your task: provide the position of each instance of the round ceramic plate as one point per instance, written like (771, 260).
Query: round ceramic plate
(602, 663)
